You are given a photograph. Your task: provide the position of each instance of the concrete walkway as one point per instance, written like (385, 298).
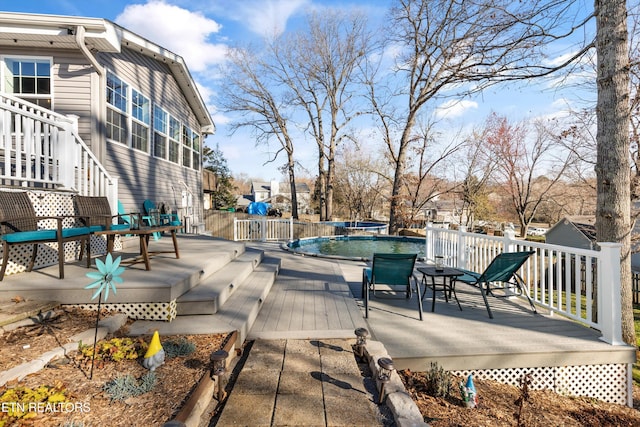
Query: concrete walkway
(300, 383)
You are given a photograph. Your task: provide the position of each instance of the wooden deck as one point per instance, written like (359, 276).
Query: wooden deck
(316, 298)
(320, 298)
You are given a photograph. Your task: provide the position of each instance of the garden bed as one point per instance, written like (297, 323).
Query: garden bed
(76, 393)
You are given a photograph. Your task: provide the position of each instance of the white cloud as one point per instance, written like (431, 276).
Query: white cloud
(179, 30)
(268, 17)
(454, 108)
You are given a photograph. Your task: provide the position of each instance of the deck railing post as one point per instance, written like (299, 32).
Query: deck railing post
(428, 242)
(235, 229)
(509, 241)
(609, 304)
(291, 228)
(67, 156)
(461, 248)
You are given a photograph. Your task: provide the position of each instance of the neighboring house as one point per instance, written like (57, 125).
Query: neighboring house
(443, 211)
(575, 232)
(209, 182)
(278, 194)
(136, 110)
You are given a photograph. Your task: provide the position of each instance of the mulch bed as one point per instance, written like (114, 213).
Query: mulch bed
(87, 402)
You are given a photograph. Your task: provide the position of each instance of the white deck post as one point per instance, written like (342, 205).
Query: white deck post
(509, 239)
(235, 229)
(428, 242)
(291, 228)
(461, 248)
(67, 157)
(609, 304)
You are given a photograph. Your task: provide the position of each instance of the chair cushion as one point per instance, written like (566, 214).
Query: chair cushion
(176, 223)
(29, 236)
(119, 227)
(75, 231)
(94, 228)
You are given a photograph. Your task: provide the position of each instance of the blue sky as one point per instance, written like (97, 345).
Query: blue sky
(201, 30)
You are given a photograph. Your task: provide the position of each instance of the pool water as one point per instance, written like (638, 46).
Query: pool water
(357, 247)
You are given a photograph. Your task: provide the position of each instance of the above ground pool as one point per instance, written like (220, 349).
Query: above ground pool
(356, 247)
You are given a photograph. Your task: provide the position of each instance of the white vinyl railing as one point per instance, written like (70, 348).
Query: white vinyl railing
(40, 148)
(583, 285)
(262, 229)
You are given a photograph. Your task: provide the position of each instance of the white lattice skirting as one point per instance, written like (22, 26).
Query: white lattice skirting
(609, 383)
(47, 203)
(139, 311)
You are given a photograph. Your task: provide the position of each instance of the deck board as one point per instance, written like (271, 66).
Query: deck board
(466, 339)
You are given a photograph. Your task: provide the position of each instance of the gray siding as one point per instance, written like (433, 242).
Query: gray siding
(567, 235)
(71, 84)
(141, 175)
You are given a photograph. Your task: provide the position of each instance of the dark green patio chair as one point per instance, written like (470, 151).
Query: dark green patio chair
(392, 271)
(503, 269)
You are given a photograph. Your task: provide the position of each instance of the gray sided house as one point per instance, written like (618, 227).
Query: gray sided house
(138, 110)
(575, 232)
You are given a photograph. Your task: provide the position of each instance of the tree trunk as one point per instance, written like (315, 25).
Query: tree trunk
(613, 212)
(292, 182)
(322, 183)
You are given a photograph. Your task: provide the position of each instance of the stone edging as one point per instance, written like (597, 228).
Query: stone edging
(405, 411)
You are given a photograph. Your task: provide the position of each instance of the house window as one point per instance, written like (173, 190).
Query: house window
(117, 100)
(190, 148)
(29, 79)
(174, 140)
(141, 121)
(159, 132)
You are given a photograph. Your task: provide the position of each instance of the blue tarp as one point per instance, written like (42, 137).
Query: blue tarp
(258, 208)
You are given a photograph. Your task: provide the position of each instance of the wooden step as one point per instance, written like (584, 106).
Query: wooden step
(242, 308)
(238, 313)
(211, 293)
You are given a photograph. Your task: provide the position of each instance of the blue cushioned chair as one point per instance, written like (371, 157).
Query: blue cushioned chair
(19, 225)
(161, 219)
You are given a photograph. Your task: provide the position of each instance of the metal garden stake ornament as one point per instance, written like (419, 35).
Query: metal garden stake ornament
(106, 277)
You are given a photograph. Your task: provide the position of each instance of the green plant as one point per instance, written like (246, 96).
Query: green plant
(25, 402)
(113, 350)
(182, 347)
(438, 381)
(126, 386)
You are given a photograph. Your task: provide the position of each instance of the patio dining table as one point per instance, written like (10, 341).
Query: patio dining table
(143, 233)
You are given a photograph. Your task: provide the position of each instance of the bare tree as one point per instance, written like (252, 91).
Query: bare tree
(320, 67)
(249, 89)
(477, 169)
(360, 183)
(613, 223)
(450, 48)
(527, 168)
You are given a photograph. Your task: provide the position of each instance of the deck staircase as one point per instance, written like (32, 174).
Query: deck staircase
(216, 286)
(227, 296)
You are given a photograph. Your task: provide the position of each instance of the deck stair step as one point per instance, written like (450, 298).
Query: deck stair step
(238, 313)
(242, 308)
(213, 290)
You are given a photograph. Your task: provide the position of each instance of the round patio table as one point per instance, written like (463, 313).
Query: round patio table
(447, 288)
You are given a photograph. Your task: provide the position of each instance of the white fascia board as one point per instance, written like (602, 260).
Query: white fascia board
(101, 31)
